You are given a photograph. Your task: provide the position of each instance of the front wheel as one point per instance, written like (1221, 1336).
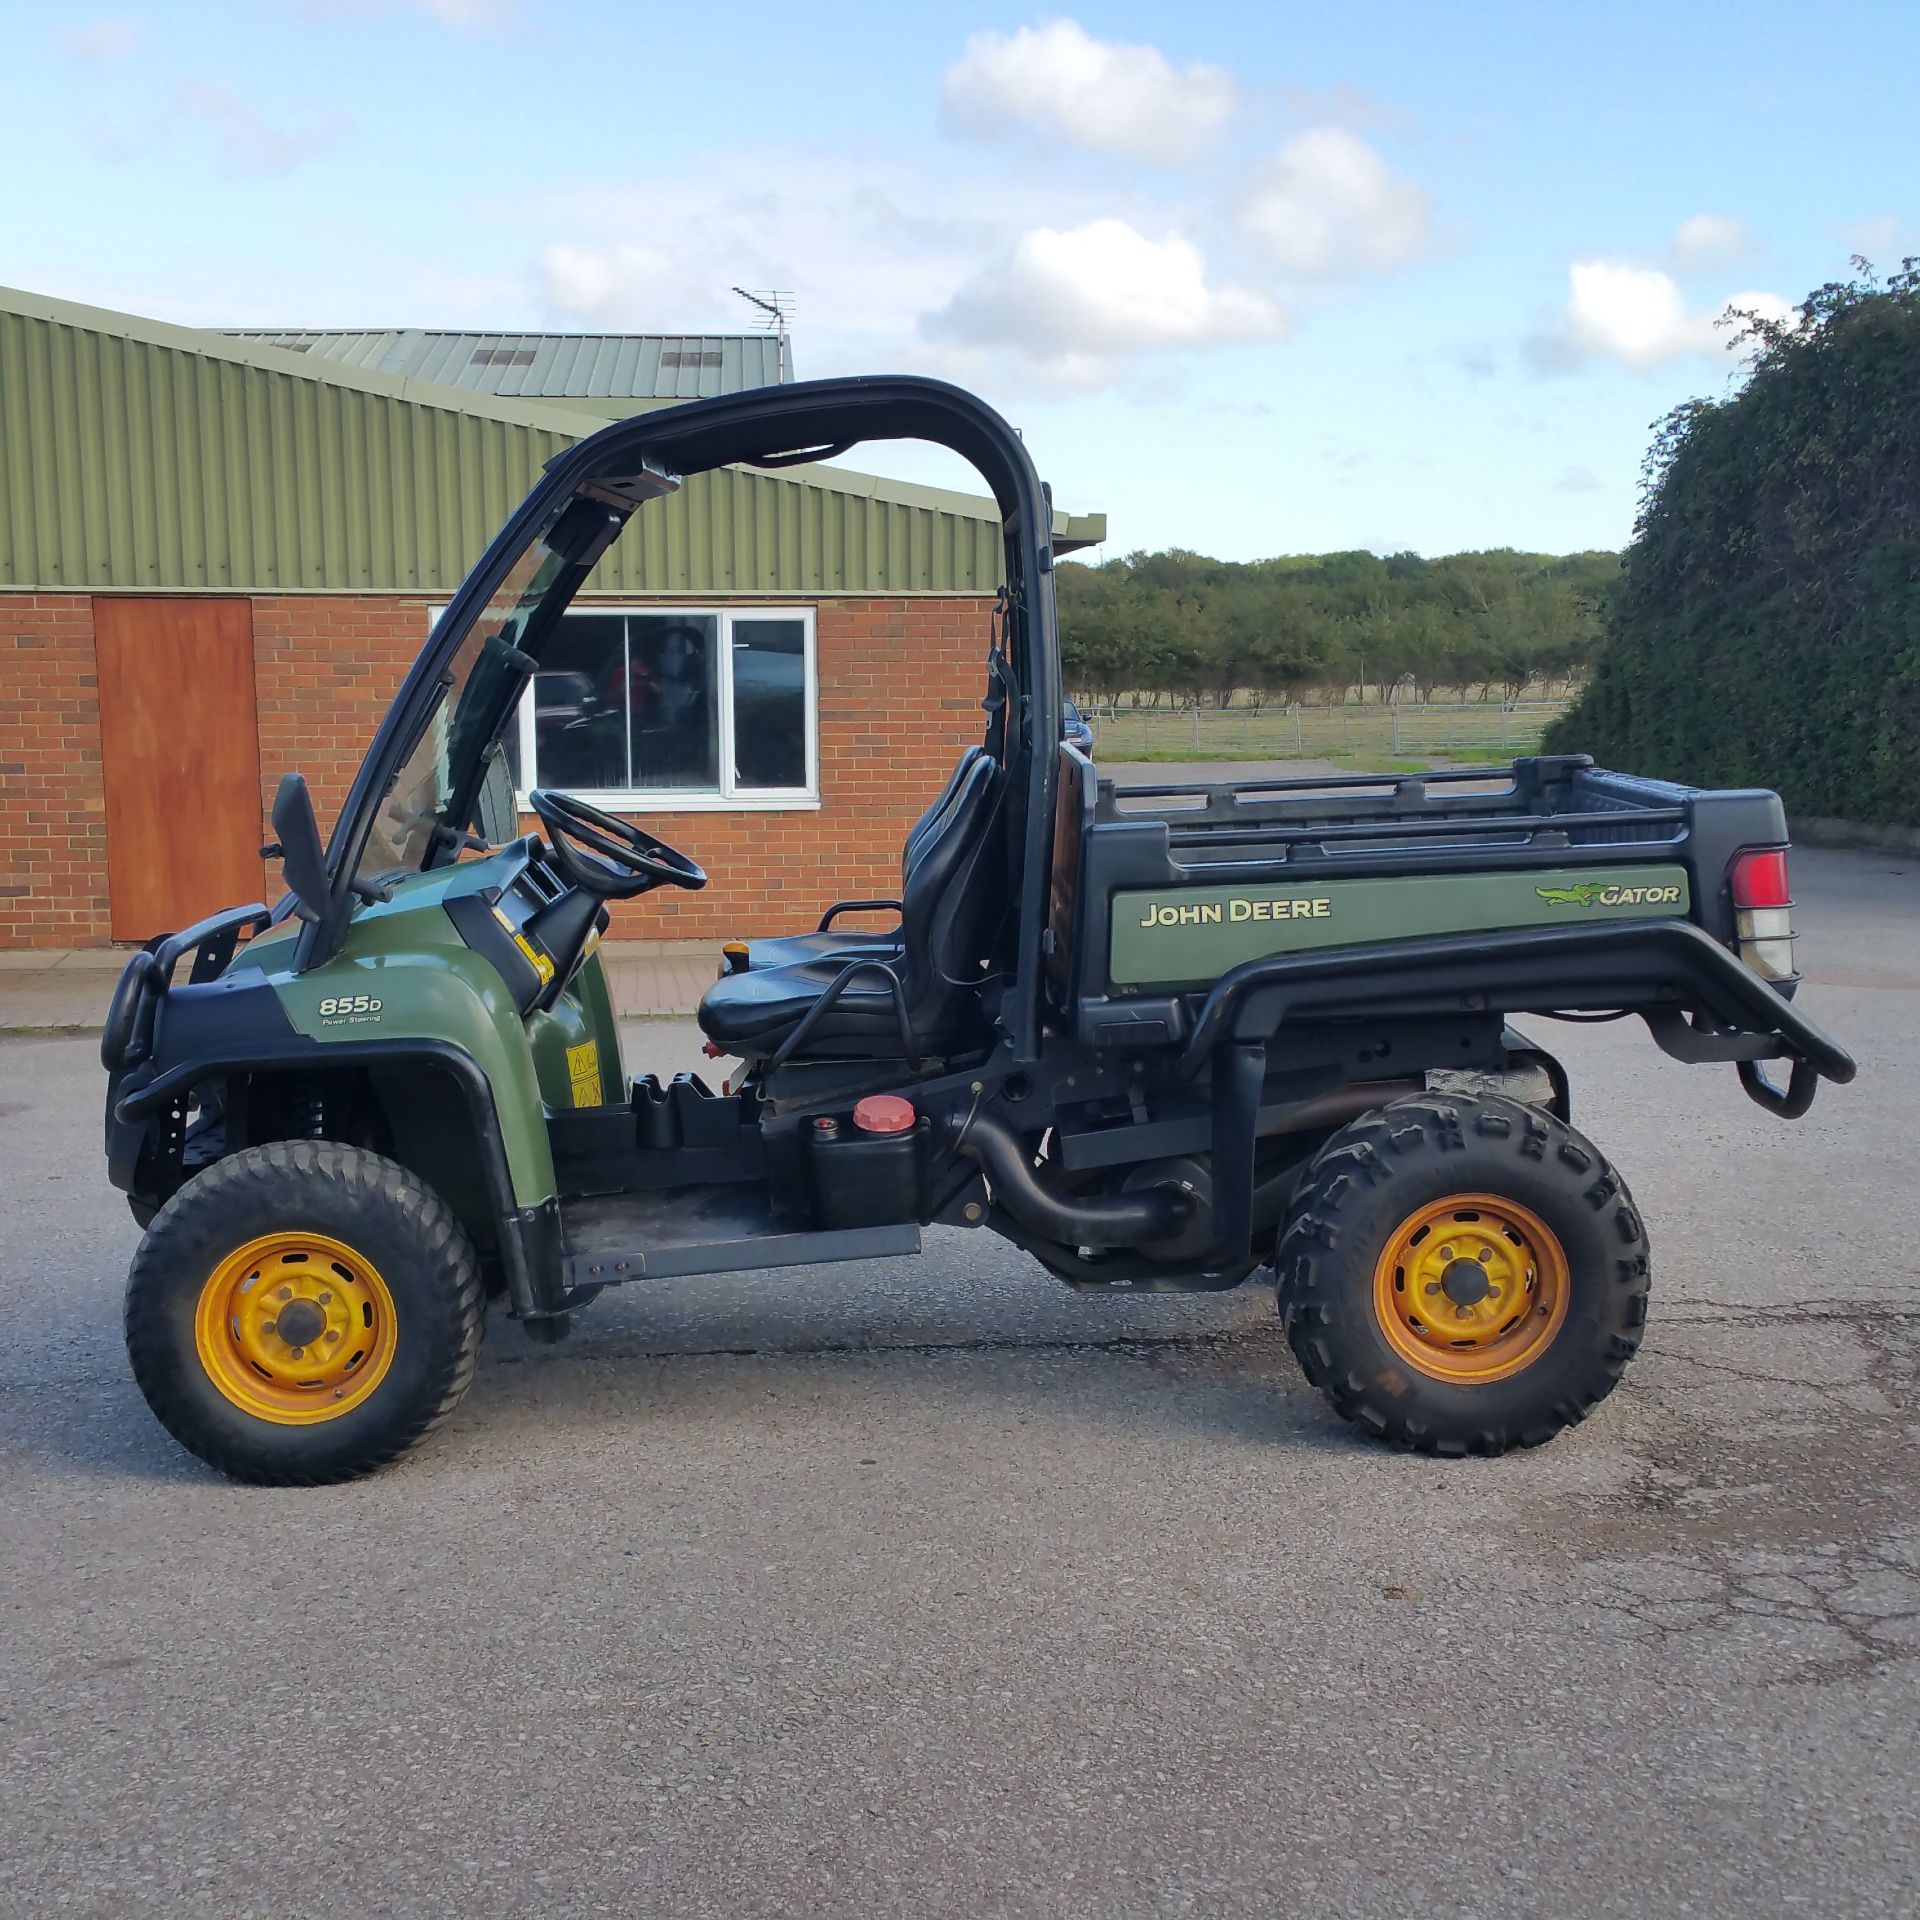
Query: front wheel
(1463, 1275)
(303, 1312)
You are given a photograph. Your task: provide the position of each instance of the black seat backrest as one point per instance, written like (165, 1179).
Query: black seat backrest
(922, 829)
(955, 899)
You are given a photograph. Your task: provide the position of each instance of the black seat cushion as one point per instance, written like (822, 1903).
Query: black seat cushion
(753, 1012)
(800, 949)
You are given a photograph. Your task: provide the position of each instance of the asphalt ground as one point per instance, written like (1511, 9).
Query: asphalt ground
(929, 1586)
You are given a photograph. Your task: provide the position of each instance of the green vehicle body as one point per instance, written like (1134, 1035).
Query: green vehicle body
(403, 973)
(1161, 1038)
(1188, 935)
(1114, 1026)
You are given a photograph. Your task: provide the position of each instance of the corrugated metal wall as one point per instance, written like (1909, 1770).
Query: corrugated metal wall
(125, 464)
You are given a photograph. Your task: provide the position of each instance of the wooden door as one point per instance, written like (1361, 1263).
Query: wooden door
(180, 760)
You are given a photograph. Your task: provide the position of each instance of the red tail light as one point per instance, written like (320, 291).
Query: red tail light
(1763, 926)
(1760, 879)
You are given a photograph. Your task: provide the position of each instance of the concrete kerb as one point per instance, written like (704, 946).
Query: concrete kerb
(69, 960)
(1850, 833)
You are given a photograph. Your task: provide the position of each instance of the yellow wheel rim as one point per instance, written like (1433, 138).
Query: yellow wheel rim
(295, 1328)
(1471, 1289)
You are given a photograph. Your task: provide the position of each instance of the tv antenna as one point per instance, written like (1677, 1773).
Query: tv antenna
(776, 311)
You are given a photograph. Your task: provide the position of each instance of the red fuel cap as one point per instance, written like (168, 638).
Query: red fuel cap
(884, 1113)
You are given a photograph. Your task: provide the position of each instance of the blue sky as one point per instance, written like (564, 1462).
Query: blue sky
(1252, 279)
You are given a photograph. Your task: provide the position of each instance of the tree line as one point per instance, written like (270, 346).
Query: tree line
(1180, 627)
(1767, 632)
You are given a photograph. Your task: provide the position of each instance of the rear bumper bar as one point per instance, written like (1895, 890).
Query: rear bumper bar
(1664, 970)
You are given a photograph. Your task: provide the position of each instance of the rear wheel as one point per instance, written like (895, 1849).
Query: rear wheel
(1463, 1274)
(303, 1312)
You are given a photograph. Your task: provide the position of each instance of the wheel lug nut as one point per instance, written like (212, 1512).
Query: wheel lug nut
(326, 1297)
(1433, 1286)
(271, 1326)
(1486, 1254)
(286, 1293)
(299, 1353)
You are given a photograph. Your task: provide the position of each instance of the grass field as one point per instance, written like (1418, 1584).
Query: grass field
(1370, 736)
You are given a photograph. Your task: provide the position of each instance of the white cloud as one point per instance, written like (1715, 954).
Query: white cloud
(850, 234)
(1637, 317)
(1706, 240)
(249, 143)
(1057, 81)
(463, 16)
(1576, 480)
(881, 280)
(1083, 302)
(611, 286)
(1343, 105)
(1631, 314)
(467, 15)
(1763, 306)
(101, 42)
(1881, 238)
(891, 266)
(1328, 207)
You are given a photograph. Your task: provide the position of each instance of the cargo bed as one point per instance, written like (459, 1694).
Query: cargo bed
(1185, 914)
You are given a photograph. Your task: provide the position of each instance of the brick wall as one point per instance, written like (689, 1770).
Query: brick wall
(53, 831)
(325, 670)
(900, 684)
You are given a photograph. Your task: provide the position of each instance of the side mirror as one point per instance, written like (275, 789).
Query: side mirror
(303, 862)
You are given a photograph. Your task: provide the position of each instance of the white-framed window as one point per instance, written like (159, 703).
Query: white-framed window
(673, 709)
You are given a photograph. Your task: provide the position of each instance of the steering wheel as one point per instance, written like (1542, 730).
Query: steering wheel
(611, 858)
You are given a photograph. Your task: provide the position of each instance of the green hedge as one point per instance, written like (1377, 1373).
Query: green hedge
(1767, 632)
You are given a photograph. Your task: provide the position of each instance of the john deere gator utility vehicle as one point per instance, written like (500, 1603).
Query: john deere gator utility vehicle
(1163, 1038)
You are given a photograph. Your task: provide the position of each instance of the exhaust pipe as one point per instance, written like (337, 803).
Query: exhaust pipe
(1103, 1220)
(1127, 1219)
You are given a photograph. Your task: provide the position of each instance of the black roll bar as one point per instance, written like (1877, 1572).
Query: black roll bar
(748, 429)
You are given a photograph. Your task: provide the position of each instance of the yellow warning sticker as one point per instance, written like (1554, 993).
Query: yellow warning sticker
(583, 1069)
(538, 961)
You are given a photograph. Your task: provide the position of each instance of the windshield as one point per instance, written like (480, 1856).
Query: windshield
(489, 662)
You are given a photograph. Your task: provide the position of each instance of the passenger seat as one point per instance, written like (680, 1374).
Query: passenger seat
(955, 905)
(829, 943)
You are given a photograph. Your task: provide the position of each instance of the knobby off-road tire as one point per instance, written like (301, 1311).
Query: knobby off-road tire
(303, 1312)
(1462, 1275)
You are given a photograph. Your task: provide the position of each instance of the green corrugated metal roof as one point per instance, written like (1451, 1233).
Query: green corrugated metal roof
(138, 455)
(619, 369)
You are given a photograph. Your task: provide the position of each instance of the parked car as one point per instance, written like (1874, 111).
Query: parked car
(1074, 729)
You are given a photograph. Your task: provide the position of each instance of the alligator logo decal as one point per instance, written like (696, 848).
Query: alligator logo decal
(1595, 894)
